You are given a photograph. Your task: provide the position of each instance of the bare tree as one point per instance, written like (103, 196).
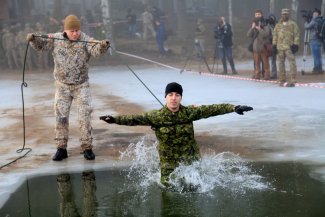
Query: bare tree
(323, 7)
(107, 21)
(230, 11)
(182, 21)
(272, 6)
(294, 9)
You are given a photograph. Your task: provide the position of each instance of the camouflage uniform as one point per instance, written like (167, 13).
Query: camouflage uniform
(285, 35)
(199, 38)
(71, 81)
(8, 43)
(68, 207)
(175, 133)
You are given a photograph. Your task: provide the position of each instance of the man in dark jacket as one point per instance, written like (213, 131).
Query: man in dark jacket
(223, 34)
(160, 37)
(173, 126)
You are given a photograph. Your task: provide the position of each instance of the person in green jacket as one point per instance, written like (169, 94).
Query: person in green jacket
(173, 126)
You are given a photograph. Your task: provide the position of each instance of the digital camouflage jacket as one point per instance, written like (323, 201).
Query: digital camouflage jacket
(70, 57)
(285, 34)
(174, 130)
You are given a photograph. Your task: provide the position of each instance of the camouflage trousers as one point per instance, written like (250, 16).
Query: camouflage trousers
(282, 55)
(64, 96)
(68, 205)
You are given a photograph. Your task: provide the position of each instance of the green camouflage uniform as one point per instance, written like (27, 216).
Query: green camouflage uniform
(175, 133)
(286, 34)
(71, 81)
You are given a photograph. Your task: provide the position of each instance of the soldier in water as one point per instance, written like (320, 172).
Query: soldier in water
(173, 126)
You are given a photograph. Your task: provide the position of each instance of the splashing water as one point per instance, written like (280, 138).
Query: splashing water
(224, 170)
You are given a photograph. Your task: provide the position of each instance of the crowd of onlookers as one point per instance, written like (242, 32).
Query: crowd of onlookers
(272, 41)
(13, 45)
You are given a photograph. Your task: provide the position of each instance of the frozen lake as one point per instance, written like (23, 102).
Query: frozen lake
(286, 125)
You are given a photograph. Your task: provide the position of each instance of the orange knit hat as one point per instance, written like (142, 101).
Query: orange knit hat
(71, 22)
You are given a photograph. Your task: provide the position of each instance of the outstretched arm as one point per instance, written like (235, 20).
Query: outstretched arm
(130, 120)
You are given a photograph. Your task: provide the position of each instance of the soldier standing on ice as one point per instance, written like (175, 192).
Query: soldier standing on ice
(71, 54)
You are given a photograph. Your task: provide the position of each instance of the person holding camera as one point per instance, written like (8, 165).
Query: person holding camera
(286, 44)
(223, 35)
(315, 42)
(260, 33)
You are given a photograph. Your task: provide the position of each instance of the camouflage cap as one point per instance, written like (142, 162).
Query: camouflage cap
(285, 11)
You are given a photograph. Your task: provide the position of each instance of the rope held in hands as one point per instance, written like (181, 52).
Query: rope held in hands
(24, 84)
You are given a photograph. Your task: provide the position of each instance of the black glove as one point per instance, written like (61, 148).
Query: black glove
(240, 109)
(108, 118)
(294, 48)
(274, 49)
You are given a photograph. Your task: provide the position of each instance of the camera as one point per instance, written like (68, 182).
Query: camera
(307, 15)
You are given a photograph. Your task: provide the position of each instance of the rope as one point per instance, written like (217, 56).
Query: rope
(23, 84)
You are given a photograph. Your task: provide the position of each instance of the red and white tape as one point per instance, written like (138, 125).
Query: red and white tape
(313, 85)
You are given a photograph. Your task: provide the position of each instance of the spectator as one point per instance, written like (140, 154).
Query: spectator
(9, 47)
(315, 42)
(199, 38)
(147, 21)
(259, 33)
(286, 44)
(271, 22)
(160, 37)
(223, 50)
(132, 21)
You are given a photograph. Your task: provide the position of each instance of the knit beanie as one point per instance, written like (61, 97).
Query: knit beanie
(71, 22)
(173, 87)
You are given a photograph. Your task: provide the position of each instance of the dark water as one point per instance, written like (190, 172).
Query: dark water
(292, 193)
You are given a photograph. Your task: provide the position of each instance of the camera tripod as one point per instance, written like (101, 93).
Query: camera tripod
(199, 54)
(306, 43)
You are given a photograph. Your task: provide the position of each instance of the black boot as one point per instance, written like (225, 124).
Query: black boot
(89, 154)
(60, 154)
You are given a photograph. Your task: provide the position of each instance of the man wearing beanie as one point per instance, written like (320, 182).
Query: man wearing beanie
(173, 126)
(71, 56)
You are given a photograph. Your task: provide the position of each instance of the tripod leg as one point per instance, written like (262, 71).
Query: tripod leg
(202, 56)
(306, 42)
(214, 62)
(188, 58)
(206, 63)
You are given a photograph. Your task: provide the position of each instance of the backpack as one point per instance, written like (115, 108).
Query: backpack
(320, 28)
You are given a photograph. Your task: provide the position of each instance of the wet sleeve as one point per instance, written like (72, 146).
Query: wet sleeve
(205, 111)
(133, 120)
